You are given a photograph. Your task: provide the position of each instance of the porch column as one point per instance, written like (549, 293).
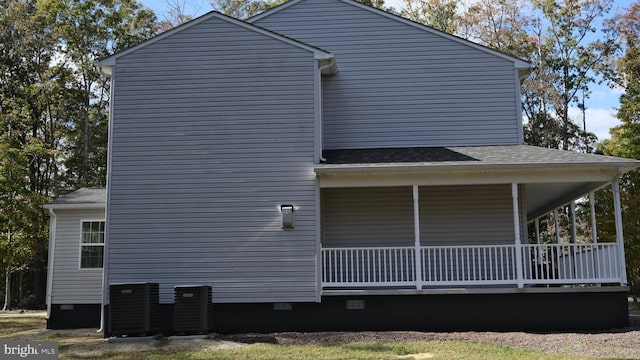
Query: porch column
(594, 233)
(574, 231)
(556, 225)
(619, 235)
(516, 230)
(538, 252)
(574, 239)
(416, 235)
(592, 207)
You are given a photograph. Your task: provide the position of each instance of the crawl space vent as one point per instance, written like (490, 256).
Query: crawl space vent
(355, 304)
(282, 306)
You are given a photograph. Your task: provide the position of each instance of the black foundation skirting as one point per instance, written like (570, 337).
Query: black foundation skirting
(74, 316)
(541, 312)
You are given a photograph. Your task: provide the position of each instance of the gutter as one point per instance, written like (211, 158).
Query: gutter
(389, 167)
(52, 245)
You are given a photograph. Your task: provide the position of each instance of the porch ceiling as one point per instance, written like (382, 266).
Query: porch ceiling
(542, 198)
(552, 177)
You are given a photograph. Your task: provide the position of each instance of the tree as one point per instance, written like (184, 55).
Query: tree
(92, 30)
(625, 138)
(176, 15)
(27, 131)
(568, 55)
(53, 114)
(502, 25)
(439, 14)
(243, 9)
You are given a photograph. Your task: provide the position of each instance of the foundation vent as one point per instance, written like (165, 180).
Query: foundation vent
(282, 306)
(355, 304)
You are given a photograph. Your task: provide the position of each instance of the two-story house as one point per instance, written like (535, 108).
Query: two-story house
(329, 166)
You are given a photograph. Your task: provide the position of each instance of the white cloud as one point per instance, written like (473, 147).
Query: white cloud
(599, 121)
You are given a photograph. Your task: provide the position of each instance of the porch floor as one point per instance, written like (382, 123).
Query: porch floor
(489, 291)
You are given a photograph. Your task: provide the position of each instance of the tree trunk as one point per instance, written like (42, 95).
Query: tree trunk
(7, 289)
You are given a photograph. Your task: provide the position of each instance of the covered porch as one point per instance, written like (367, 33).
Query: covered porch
(436, 219)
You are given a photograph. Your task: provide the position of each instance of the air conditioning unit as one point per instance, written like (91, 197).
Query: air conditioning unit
(192, 310)
(134, 309)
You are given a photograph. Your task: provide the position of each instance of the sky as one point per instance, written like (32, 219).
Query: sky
(600, 106)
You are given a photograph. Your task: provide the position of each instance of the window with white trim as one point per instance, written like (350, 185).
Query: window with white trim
(92, 245)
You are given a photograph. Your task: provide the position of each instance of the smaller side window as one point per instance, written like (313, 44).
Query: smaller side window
(92, 245)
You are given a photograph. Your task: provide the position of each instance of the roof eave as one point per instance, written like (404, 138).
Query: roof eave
(86, 206)
(328, 169)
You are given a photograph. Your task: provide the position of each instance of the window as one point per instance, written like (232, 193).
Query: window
(92, 245)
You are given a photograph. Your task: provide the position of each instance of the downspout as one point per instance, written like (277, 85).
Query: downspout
(109, 71)
(320, 115)
(52, 245)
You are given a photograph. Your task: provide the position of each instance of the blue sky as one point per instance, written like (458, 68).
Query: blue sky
(600, 106)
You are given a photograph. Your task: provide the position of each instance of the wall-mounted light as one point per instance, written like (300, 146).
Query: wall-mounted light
(287, 216)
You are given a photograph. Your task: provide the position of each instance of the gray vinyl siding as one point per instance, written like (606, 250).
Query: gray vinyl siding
(212, 132)
(449, 216)
(398, 85)
(72, 285)
(367, 217)
(466, 215)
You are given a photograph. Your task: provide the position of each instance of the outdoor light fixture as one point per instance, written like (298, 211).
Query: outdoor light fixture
(287, 216)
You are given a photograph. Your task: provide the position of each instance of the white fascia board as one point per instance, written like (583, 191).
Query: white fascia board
(462, 176)
(75, 206)
(518, 63)
(427, 167)
(318, 53)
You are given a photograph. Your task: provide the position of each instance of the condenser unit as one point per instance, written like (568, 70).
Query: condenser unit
(192, 310)
(134, 309)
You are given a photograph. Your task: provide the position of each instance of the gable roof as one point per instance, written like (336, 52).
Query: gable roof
(522, 65)
(318, 53)
(83, 198)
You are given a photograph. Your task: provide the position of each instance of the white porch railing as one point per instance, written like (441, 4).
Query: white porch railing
(379, 266)
(470, 265)
(571, 263)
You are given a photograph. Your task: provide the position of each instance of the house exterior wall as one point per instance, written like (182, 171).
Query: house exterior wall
(400, 86)
(367, 217)
(449, 216)
(466, 215)
(72, 285)
(212, 131)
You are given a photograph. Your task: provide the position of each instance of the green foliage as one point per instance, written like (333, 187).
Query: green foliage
(243, 9)
(625, 139)
(439, 14)
(566, 52)
(53, 111)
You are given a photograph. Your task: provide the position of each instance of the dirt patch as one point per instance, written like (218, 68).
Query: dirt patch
(616, 343)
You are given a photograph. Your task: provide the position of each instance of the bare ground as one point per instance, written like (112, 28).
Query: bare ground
(617, 343)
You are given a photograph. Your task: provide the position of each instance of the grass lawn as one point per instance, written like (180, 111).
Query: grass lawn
(92, 346)
(356, 351)
(11, 322)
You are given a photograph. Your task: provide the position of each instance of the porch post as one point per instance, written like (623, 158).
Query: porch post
(556, 225)
(537, 223)
(592, 207)
(416, 235)
(619, 235)
(594, 234)
(516, 231)
(574, 239)
(574, 231)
